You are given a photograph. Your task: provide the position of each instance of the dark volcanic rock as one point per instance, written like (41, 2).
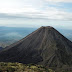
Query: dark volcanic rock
(44, 46)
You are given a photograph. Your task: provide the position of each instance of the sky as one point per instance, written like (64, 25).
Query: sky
(36, 13)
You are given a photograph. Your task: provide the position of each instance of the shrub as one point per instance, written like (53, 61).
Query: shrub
(10, 69)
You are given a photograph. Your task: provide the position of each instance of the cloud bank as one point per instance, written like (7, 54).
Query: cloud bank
(50, 13)
(33, 11)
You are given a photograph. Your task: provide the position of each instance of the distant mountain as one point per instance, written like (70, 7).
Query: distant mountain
(45, 46)
(9, 35)
(66, 32)
(1, 48)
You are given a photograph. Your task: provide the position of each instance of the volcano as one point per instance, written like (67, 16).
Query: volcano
(45, 46)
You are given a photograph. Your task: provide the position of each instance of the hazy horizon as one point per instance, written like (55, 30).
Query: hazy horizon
(9, 35)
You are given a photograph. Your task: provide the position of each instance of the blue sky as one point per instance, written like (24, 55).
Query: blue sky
(36, 13)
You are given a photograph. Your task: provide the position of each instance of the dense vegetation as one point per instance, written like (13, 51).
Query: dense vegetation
(19, 67)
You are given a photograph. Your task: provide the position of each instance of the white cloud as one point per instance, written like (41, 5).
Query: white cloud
(59, 0)
(27, 8)
(34, 9)
(49, 13)
(16, 6)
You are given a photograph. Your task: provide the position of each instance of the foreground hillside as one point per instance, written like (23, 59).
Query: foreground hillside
(19, 67)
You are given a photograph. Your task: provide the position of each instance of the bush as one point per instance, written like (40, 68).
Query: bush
(10, 69)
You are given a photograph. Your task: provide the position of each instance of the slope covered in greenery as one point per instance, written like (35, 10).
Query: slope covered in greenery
(19, 67)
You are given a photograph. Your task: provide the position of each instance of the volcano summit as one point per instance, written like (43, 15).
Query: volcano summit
(45, 46)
